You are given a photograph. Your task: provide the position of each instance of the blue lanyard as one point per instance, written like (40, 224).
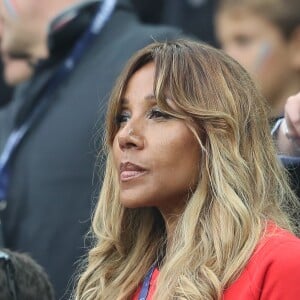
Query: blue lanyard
(103, 14)
(146, 283)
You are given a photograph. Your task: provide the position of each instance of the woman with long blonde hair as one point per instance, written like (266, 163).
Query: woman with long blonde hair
(194, 201)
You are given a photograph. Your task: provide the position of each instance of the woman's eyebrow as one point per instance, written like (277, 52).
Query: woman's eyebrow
(150, 97)
(124, 101)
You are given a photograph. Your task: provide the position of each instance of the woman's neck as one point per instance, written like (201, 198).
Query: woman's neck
(171, 222)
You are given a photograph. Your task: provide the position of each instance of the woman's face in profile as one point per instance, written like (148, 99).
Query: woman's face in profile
(156, 155)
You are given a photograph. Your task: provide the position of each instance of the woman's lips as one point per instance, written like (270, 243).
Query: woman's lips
(130, 171)
(128, 175)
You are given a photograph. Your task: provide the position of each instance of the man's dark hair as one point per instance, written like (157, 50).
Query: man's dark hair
(21, 278)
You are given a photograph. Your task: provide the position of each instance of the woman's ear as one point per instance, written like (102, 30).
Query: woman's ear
(294, 42)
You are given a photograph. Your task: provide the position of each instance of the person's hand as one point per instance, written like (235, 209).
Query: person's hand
(288, 136)
(292, 117)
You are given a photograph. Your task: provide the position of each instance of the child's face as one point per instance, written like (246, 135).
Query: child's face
(260, 47)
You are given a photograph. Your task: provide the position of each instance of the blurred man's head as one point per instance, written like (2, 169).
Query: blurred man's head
(23, 34)
(25, 24)
(22, 278)
(264, 36)
(23, 31)
(15, 71)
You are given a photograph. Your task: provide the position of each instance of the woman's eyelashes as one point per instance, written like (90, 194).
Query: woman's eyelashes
(156, 113)
(153, 113)
(122, 118)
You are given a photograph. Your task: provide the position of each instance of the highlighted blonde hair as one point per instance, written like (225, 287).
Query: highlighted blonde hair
(241, 184)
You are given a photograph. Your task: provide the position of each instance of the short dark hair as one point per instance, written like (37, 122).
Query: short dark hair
(21, 278)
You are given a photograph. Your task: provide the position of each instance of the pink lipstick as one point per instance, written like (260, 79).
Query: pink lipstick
(130, 171)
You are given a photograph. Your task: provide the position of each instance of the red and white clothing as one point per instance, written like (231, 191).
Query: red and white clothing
(272, 273)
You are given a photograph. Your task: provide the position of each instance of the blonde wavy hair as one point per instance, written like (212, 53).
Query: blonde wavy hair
(241, 184)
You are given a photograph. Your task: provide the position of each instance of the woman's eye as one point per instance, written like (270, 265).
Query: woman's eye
(156, 114)
(122, 118)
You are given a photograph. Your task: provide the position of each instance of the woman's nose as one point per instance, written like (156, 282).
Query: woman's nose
(130, 138)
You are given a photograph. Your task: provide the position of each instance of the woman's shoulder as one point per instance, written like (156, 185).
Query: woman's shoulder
(278, 244)
(273, 271)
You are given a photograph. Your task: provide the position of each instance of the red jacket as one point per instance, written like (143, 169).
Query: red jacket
(272, 273)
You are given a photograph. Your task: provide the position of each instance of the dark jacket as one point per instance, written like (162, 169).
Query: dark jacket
(193, 16)
(5, 97)
(5, 90)
(54, 183)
